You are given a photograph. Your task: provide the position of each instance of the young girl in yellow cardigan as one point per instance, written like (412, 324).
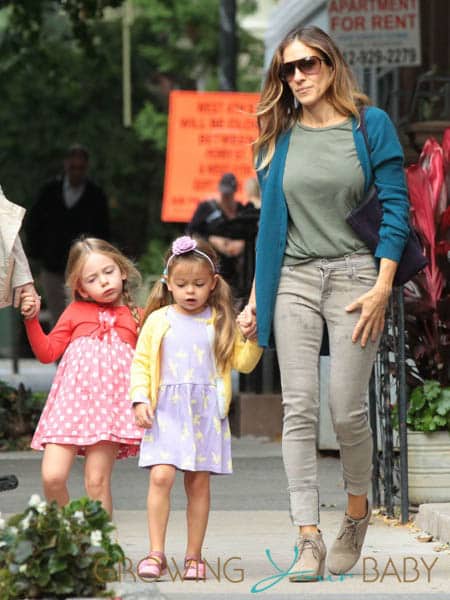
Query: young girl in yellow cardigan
(181, 392)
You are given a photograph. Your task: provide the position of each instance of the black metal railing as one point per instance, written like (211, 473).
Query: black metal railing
(388, 390)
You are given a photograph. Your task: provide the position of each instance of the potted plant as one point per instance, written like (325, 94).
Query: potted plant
(52, 552)
(428, 421)
(427, 322)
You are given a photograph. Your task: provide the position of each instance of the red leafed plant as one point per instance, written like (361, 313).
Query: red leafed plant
(427, 300)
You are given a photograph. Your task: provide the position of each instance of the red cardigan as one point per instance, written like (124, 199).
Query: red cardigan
(78, 320)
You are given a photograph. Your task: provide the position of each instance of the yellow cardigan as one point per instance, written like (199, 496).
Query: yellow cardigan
(145, 368)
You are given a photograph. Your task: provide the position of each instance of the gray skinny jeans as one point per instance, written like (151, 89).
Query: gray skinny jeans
(309, 294)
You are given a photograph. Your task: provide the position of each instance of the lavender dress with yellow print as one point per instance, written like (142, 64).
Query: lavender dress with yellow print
(187, 431)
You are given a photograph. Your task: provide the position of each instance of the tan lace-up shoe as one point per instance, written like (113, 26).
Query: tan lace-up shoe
(311, 563)
(346, 550)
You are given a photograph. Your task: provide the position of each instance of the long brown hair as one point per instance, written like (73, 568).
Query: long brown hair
(80, 250)
(277, 110)
(220, 299)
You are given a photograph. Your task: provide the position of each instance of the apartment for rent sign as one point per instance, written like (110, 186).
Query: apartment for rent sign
(210, 133)
(376, 33)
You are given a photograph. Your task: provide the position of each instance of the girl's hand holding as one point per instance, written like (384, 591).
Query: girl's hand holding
(247, 321)
(29, 307)
(143, 415)
(373, 308)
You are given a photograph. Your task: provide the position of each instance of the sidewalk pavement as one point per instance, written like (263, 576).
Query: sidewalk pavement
(31, 373)
(250, 537)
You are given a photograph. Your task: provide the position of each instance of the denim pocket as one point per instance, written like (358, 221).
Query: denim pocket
(365, 272)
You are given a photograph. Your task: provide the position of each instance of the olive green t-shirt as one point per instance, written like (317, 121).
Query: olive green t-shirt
(323, 181)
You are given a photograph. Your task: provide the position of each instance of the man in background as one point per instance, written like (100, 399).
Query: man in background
(216, 220)
(67, 207)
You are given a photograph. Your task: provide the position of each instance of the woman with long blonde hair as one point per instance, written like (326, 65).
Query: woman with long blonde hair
(314, 166)
(181, 392)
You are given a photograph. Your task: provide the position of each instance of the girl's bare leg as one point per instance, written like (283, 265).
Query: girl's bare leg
(197, 488)
(100, 459)
(56, 464)
(162, 478)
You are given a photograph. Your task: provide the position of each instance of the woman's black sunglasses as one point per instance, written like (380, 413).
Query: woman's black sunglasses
(309, 65)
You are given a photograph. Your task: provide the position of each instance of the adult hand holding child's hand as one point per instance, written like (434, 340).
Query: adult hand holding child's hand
(247, 321)
(29, 305)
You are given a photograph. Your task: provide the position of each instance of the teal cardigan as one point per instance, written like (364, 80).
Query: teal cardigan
(384, 167)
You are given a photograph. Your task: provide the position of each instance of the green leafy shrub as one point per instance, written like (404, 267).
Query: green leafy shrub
(152, 261)
(48, 551)
(20, 410)
(429, 407)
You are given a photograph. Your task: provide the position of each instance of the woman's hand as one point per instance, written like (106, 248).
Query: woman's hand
(373, 304)
(373, 308)
(143, 415)
(247, 321)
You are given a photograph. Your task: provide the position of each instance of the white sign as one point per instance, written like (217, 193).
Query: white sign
(376, 33)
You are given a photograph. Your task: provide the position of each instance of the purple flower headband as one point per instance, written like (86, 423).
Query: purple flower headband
(183, 245)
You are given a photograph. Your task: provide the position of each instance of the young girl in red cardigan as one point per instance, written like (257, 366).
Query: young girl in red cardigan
(87, 411)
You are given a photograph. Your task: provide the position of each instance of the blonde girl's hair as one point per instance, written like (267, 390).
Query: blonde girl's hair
(80, 250)
(220, 300)
(277, 109)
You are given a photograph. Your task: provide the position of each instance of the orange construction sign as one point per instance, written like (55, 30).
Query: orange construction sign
(210, 133)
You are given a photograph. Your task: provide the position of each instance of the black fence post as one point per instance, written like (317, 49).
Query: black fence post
(402, 401)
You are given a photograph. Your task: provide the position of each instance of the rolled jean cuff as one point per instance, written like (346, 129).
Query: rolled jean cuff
(356, 490)
(304, 506)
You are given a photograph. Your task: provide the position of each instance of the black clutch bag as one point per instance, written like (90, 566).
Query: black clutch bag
(365, 220)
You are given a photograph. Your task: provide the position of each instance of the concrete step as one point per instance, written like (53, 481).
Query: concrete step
(435, 519)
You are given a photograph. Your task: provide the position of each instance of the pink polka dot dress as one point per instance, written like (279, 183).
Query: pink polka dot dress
(88, 401)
